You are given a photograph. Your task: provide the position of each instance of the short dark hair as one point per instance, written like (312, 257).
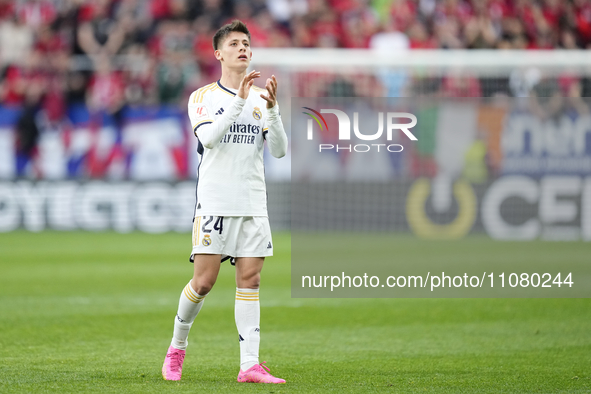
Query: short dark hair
(223, 32)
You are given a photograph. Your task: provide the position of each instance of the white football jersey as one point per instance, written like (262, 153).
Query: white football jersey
(230, 175)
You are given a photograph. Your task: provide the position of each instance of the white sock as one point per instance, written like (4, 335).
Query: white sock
(190, 304)
(247, 311)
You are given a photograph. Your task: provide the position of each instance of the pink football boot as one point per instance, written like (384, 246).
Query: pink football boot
(173, 364)
(258, 373)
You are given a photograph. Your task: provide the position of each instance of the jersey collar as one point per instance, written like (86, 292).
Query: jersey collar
(225, 88)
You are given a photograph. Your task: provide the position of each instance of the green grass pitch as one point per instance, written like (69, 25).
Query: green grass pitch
(93, 312)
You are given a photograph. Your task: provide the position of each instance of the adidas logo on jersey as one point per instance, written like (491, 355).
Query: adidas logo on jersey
(269, 246)
(220, 111)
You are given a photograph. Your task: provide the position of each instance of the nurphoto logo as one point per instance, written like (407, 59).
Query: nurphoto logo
(344, 131)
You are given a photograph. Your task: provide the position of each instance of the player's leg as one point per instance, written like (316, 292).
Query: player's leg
(247, 309)
(205, 272)
(248, 316)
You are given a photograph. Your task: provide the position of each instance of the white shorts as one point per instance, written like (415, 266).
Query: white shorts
(232, 236)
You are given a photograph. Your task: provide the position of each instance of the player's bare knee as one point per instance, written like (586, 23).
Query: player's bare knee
(251, 281)
(202, 286)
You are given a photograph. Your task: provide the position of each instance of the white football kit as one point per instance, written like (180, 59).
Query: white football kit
(230, 176)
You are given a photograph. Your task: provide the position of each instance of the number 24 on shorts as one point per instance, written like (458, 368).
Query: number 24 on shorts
(217, 226)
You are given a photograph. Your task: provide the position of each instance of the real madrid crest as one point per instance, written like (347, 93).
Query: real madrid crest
(206, 240)
(257, 113)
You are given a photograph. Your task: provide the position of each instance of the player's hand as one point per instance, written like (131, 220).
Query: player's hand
(246, 83)
(271, 87)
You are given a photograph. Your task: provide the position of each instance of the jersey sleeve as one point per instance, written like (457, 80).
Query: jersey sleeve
(274, 133)
(200, 113)
(208, 130)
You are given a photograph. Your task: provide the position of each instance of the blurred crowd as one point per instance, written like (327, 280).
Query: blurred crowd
(62, 52)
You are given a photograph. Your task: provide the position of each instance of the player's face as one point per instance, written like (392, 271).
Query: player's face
(235, 51)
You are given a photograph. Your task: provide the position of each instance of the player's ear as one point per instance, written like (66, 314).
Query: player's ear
(218, 54)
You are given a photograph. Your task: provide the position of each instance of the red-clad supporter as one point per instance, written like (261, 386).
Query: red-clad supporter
(341, 6)
(545, 37)
(316, 8)
(54, 100)
(526, 11)
(326, 30)
(245, 12)
(553, 11)
(403, 13)
(358, 25)
(179, 10)
(106, 87)
(301, 33)
(459, 84)
(419, 37)
(86, 11)
(323, 23)
(449, 34)
(310, 84)
(568, 84)
(154, 43)
(6, 9)
(37, 12)
(498, 9)
(203, 49)
(48, 42)
(274, 35)
(105, 97)
(160, 9)
(355, 34)
(480, 31)
(13, 86)
(583, 21)
(19, 79)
